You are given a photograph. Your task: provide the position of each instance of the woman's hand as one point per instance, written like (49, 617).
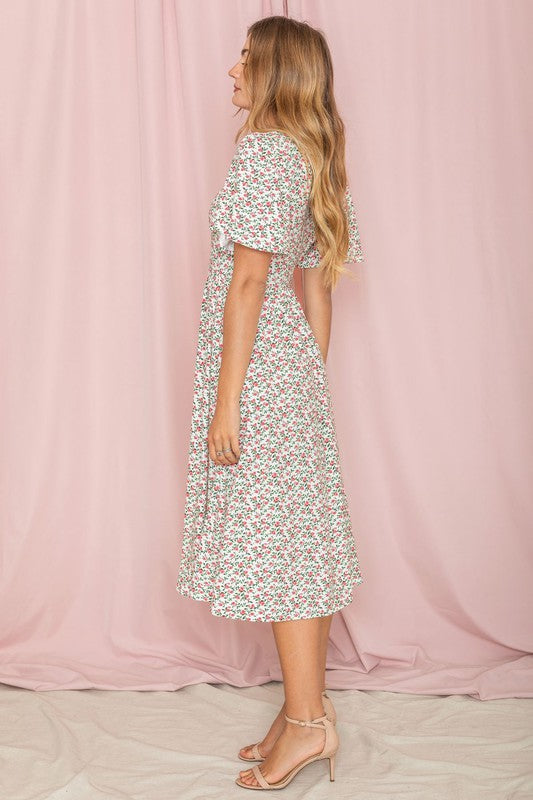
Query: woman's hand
(224, 432)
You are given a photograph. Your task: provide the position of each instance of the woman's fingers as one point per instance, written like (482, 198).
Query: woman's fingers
(229, 455)
(223, 435)
(234, 443)
(214, 453)
(216, 446)
(224, 457)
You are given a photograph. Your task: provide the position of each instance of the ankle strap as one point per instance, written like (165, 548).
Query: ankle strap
(319, 722)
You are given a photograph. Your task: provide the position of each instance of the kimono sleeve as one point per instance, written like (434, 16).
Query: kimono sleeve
(355, 251)
(259, 212)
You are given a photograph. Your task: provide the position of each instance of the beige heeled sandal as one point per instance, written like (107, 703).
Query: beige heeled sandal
(330, 712)
(331, 745)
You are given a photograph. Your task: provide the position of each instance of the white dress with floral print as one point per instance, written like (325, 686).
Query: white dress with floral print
(268, 538)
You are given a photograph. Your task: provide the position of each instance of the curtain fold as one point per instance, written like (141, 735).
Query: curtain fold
(117, 131)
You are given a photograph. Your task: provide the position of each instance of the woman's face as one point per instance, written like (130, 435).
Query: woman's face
(240, 95)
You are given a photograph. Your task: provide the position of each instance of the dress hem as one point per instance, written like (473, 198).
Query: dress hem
(346, 600)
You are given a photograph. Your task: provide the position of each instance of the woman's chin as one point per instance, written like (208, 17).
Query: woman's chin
(237, 102)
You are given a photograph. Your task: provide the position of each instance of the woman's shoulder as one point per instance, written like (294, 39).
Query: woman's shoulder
(271, 141)
(271, 137)
(273, 147)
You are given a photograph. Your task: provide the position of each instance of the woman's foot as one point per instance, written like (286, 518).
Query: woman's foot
(294, 744)
(266, 744)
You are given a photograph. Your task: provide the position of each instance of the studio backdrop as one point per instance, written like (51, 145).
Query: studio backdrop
(117, 128)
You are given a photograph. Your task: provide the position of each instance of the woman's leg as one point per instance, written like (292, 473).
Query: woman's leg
(266, 744)
(300, 645)
(325, 625)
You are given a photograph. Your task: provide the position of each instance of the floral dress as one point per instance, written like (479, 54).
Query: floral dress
(268, 538)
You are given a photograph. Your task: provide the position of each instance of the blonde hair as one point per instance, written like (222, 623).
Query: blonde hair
(289, 78)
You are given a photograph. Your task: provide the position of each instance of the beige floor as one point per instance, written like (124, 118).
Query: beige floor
(92, 744)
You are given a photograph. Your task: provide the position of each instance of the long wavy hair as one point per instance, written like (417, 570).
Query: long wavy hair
(289, 79)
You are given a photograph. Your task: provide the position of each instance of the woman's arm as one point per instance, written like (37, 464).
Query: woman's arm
(243, 305)
(317, 307)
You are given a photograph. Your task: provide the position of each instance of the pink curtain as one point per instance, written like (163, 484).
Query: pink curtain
(117, 130)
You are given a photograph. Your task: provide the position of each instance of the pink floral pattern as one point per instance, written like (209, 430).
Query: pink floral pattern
(269, 538)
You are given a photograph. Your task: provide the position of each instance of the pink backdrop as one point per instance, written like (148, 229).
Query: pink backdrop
(116, 131)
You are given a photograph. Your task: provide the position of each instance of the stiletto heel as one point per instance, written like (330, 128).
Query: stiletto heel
(331, 745)
(332, 767)
(256, 755)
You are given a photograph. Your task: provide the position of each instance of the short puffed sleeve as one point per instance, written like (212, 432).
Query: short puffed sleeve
(311, 257)
(263, 206)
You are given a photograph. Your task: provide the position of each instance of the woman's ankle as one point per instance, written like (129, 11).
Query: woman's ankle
(306, 712)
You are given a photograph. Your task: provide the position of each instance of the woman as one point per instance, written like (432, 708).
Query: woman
(267, 533)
